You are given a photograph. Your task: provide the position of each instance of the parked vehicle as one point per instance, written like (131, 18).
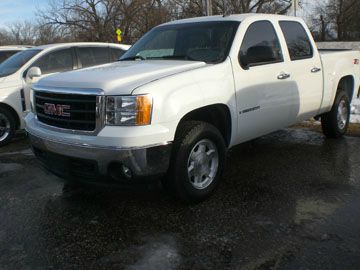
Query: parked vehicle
(7, 51)
(183, 95)
(19, 72)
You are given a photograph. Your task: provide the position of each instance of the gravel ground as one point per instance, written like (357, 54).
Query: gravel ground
(289, 200)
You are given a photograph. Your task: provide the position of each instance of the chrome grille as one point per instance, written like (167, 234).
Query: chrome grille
(82, 110)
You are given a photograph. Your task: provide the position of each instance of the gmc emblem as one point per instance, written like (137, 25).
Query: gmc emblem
(57, 109)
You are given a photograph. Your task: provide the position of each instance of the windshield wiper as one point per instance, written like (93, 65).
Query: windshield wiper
(176, 57)
(136, 57)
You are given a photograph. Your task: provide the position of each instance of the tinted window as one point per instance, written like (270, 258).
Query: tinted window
(6, 54)
(260, 45)
(92, 56)
(58, 61)
(297, 40)
(15, 62)
(115, 54)
(206, 41)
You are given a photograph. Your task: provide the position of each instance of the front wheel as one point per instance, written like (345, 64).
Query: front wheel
(336, 122)
(7, 126)
(197, 162)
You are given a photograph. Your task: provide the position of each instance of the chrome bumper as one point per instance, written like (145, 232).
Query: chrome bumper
(69, 160)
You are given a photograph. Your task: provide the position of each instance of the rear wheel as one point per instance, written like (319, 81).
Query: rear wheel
(7, 126)
(335, 123)
(197, 162)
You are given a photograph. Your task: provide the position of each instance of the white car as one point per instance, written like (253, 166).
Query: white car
(183, 95)
(7, 51)
(20, 71)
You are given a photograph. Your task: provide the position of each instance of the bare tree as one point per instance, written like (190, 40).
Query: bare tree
(97, 20)
(339, 18)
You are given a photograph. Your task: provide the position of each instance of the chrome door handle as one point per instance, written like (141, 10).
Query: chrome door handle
(315, 69)
(283, 76)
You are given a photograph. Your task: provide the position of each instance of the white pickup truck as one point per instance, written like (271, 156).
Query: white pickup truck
(186, 92)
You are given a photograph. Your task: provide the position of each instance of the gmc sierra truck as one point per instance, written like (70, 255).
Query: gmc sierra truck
(184, 94)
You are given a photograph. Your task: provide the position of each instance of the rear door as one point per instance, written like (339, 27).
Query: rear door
(305, 67)
(265, 92)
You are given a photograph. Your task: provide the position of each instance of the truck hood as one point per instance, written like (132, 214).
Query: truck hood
(119, 78)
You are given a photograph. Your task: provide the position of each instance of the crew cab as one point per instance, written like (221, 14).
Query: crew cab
(184, 94)
(21, 70)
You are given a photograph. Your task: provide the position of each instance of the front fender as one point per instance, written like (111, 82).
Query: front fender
(177, 95)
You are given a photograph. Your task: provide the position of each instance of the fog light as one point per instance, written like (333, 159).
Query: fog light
(126, 171)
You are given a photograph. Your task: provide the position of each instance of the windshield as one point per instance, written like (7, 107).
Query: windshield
(15, 62)
(208, 42)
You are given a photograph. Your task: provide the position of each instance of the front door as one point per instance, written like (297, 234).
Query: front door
(267, 96)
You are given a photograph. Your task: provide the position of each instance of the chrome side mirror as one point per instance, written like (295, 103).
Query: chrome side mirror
(33, 73)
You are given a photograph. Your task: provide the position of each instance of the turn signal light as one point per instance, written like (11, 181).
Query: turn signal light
(144, 110)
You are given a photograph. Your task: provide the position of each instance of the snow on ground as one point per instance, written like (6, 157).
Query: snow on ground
(355, 111)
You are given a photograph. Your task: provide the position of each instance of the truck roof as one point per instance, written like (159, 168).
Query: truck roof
(64, 45)
(234, 17)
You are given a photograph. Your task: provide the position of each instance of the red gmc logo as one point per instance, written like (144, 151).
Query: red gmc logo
(57, 109)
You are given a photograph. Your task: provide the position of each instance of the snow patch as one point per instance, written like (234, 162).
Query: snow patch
(355, 111)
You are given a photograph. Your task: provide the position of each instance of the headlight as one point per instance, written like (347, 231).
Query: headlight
(128, 110)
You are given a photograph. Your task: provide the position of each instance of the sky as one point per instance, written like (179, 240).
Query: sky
(18, 10)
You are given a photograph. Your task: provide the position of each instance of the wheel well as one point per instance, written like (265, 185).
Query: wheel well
(347, 84)
(13, 112)
(217, 115)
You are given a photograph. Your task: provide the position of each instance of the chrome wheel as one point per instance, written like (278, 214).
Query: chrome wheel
(203, 164)
(342, 114)
(4, 127)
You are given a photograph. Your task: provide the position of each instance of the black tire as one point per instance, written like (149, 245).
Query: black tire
(7, 126)
(188, 137)
(329, 121)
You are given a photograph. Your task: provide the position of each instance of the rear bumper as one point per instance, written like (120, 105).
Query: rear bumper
(93, 163)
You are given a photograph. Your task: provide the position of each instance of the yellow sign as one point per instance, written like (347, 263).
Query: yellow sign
(118, 35)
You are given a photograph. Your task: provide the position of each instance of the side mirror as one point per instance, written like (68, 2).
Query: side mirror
(33, 74)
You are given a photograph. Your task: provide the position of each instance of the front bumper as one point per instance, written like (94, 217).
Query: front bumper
(89, 162)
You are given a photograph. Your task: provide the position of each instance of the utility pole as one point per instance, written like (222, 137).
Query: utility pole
(295, 4)
(323, 28)
(208, 6)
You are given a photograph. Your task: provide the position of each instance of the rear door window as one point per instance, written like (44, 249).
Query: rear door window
(297, 40)
(92, 56)
(57, 61)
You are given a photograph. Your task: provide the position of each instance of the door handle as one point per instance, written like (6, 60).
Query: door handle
(315, 69)
(283, 76)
